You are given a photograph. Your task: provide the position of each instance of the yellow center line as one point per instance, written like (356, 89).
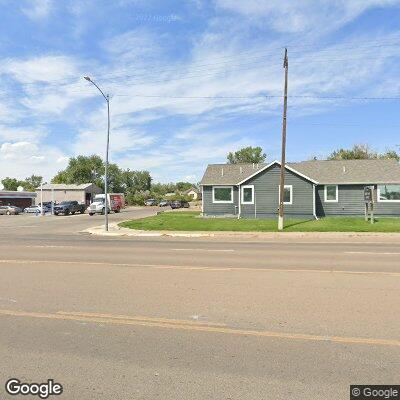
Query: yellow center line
(202, 268)
(190, 326)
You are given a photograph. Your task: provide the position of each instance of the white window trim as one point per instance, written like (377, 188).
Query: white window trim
(326, 194)
(252, 194)
(291, 194)
(378, 197)
(222, 201)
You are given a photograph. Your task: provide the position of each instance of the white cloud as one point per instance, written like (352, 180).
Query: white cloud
(22, 133)
(37, 9)
(23, 158)
(302, 15)
(94, 141)
(48, 68)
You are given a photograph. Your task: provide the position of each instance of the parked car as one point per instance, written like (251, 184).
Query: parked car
(47, 204)
(36, 209)
(164, 203)
(10, 210)
(150, 202)
(69, 207)
(179, 204)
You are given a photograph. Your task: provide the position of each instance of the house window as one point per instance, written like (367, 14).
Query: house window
(331, 193)
(248, 194)
(389, 193)
(287, 194)
(222, 194)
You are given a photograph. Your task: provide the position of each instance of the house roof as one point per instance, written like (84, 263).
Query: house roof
(317, 171)
(16, 194)
(192, 189)
(64, 186)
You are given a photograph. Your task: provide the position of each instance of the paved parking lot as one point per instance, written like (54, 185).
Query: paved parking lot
(179, 318)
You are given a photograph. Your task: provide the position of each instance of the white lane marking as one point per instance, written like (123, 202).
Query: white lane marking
(207, 250)
(50, 247)
(8, 300)
(200, 268)
(21, 226)
(373, 252)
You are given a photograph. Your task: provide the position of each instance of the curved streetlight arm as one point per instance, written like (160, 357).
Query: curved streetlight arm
(94, 83)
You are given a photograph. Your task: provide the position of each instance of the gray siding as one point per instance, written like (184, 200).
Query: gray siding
(266, 196)
(210, 208)
(351, 202)
(266, 192)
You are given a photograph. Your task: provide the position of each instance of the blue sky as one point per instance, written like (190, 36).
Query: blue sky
(153, 56)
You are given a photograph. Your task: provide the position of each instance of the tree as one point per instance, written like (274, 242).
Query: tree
(11, 183)
(390, 154)
(32, 183)
(82, 169)
(85, 169)
(358, 152)
(182, 186)
(362, 152)
(247, 155)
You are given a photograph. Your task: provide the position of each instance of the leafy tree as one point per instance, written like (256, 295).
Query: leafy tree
(247, 155)
(32, 183)
(390, 154)
(82, 169)
(163, 188)
(362, 152)
(358, 152)
(182, 186)
(11, 183)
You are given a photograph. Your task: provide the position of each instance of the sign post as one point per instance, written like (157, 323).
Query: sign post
(369, 202)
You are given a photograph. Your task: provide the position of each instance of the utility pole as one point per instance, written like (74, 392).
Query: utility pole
(283, 158)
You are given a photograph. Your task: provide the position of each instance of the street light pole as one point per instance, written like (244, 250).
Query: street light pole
(107, 98)
(41, 199)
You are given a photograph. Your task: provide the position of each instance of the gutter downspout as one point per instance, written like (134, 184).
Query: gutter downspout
(240, 202)
(314, 203)
(202, 200)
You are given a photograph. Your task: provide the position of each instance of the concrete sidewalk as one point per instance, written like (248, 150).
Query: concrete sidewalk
(373, 237)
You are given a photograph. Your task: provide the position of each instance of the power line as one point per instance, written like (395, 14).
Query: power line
(261, 96)
(120, 75)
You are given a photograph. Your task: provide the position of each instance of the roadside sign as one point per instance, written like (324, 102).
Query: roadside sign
(369, 202)
(368, 194)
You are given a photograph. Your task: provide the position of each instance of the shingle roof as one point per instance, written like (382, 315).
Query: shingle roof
(323, 172)
(351, 171)
(64, 186)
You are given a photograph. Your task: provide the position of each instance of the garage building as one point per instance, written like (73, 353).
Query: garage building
(15, 198)
(58, 192)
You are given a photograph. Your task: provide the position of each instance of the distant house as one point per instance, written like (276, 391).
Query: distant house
(312, 188)
(83, 193)
(193, 192)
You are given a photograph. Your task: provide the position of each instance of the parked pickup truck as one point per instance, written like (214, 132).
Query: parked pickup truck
(69, 207)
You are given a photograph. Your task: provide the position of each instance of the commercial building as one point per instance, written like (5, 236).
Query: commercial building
(17, 198)
(58, 192)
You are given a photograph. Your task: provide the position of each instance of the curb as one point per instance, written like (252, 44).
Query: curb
(117, 231)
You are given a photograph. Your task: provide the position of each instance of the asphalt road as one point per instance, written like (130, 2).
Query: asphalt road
(205, 318)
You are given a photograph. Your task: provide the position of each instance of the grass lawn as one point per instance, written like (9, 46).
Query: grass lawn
(187, 221)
